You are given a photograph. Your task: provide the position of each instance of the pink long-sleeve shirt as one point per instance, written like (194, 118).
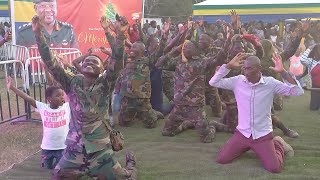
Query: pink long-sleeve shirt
(254, 101)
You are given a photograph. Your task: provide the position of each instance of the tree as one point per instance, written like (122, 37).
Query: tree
(197, 1)
(150, 5)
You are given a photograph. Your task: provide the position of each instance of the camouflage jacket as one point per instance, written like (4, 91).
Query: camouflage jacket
(134, 79)
(62, 36)
(189, 78)
(209, 71)
(88, 105)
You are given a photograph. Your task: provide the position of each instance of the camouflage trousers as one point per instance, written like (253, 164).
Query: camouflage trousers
(168, 90)
(230, 117)
(195, 116)
(278, 102)
(214, 101)
(99, 165)
(137, 107)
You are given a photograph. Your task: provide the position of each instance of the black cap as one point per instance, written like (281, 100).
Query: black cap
(39, 1)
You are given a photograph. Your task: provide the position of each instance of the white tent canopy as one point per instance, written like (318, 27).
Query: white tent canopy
(251, 10)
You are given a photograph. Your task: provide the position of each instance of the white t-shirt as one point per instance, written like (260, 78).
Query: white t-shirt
(55, 124)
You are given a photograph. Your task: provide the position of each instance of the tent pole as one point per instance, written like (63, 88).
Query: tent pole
(12, 20)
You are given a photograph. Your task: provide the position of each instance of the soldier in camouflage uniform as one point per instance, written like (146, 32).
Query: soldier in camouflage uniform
(168, 82)
(57, 34)
(89, 152)
(134, 84)
(135, 88)
(211, 93)
(266, 62)
(189, 92)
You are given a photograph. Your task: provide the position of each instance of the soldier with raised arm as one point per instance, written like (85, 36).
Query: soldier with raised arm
(89, 152)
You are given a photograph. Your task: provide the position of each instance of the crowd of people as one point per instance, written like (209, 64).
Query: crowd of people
(237, 69)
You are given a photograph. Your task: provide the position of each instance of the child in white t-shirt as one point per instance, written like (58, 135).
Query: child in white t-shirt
(55, 120)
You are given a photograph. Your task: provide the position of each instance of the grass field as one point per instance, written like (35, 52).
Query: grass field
(184, 158)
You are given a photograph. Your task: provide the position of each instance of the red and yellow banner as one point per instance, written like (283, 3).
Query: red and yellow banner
(84, 16)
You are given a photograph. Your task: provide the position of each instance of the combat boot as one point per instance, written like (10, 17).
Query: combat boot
(131, 165)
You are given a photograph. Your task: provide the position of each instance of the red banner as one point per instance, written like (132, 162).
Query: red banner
(84, 16)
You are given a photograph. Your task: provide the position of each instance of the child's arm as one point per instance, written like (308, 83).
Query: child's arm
(21, 94)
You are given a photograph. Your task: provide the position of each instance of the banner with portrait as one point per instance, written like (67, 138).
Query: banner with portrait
(77, 22)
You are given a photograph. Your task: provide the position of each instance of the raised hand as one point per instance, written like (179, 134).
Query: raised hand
(8, 36)
(306, 25)
(9, 82)
(235, 19)
(36, 25)
(103, 49)
(89, 52)
(105, 24)
(237, 61)
(166, 26)
(278, 66)
(122, 24)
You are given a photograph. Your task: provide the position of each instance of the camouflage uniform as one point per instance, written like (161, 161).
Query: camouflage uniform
(189, 97)
(266, 62)
(62, 36)
(135, 88)
(88, 152)
(168, 82)
(211, 93)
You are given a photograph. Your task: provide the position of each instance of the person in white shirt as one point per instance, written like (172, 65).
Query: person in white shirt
(254, 95)
(55, 121)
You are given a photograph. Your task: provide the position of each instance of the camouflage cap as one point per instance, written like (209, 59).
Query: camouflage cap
(39, 1)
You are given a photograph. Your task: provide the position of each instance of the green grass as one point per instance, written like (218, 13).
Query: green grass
(183, 157)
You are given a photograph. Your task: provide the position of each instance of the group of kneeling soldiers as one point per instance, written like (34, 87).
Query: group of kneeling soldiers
(128, 74)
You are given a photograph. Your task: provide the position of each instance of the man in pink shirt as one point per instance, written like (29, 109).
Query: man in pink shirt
(254, 95)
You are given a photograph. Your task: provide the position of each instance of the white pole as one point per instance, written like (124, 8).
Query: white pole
(13, 21)
(143, 4)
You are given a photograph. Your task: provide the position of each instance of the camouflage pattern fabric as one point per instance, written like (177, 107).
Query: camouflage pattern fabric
(62, 36)
(266, 62)
(214, 101)
(189, 95)
(189, 79)
(194, 116)
(135, 79)
(130, 107)
(99, 165)
(88, 135)
(230, 117)
(211, 93)
(168, 82)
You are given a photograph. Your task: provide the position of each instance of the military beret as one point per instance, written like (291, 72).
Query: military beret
(39, 1)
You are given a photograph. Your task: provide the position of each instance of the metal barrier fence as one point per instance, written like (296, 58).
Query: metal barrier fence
(11, 106)
(29, 74)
